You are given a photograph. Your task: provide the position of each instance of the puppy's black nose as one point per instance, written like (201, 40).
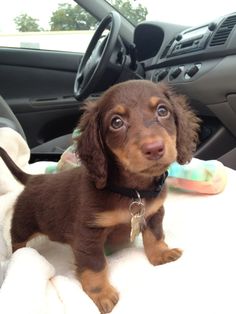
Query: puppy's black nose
(154, 150)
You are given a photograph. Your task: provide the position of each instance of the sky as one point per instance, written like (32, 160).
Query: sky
(39, 9)
(188, 12)
(184, 12)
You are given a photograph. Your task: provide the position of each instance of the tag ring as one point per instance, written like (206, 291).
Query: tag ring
(137, 208)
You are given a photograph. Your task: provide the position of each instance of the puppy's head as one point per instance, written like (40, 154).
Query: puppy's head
(143, 127)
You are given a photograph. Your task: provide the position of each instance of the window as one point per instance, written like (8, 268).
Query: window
(132, 10)
(52, 25)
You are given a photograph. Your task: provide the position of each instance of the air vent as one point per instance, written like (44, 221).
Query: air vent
(223, 31)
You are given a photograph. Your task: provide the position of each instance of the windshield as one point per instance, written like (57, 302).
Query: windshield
(184, 12)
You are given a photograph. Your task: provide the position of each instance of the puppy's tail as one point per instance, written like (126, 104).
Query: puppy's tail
(20, 175)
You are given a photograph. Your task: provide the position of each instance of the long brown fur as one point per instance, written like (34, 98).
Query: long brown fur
(77, 207)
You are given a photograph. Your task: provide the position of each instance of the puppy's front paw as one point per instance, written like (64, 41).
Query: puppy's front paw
(98, 288)
(166, 256)
(105, 298)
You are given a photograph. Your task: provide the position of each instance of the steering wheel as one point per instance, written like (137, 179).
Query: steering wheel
(97, 56)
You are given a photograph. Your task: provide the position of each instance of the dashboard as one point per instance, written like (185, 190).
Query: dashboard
(182, 57)
(201, 63)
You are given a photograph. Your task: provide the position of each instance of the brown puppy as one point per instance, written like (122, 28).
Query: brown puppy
(129, 138)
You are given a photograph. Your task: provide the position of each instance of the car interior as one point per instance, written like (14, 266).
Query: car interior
(42, 91)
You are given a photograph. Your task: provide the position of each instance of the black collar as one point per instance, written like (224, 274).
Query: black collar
(132, 193)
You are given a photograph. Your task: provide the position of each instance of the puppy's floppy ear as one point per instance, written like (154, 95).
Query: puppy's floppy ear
(90, 146)
(187, 124)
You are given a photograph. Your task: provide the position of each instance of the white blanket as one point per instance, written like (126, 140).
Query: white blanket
(40, 279)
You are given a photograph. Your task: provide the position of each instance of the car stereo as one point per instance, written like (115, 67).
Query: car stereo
(191, 40)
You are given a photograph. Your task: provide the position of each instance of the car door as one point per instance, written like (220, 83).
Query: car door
(38, 67)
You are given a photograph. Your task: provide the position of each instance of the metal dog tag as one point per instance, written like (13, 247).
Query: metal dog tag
(135, 227)
(138, 222)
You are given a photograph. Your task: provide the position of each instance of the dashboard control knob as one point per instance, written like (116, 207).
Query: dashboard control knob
(162, 74)
(178, 37)
(192, 71)
(212, 26)
(175, 73)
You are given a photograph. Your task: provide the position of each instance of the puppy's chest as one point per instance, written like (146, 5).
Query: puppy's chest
(120, 213)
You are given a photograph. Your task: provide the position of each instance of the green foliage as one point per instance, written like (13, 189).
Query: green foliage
(68, 17)
(26, 23)
(134, 14)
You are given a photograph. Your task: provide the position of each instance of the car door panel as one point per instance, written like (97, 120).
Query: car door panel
(38, 86)
(44, 122)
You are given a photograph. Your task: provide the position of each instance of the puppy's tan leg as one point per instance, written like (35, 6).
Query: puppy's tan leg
(88, 248)
(156, 249)
(96, 285)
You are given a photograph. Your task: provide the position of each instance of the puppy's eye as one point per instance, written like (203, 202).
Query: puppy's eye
(162, 111)
(117, 122)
